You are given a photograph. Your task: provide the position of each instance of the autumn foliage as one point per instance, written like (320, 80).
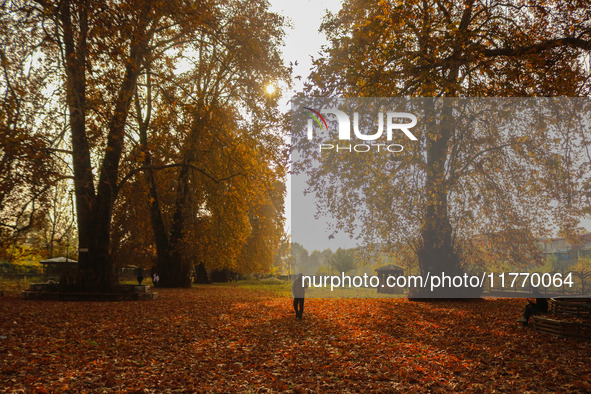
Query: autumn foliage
(457, 183)
(233, 339)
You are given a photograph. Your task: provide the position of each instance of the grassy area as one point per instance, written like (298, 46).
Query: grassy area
(16, 285)
(282, 288)
(274, 287)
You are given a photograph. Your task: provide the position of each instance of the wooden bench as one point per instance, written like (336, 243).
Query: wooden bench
(579, 308)
(119, 293)
(561, 328)
(575, 307)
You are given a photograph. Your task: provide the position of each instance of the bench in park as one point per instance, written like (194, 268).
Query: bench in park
(47, 291)
(570, 317)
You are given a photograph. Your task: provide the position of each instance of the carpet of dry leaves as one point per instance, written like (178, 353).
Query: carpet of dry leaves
(234, 339)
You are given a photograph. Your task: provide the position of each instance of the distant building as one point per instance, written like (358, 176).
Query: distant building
(59, 266)
(384, 273)
(566, 253)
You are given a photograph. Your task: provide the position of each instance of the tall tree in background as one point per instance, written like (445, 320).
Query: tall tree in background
(204, 140)
(212, 156)
(102, 49)
(28, 166)
(464, 182)
(267, 226)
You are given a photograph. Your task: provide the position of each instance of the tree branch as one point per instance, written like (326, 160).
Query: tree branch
(540, 47)
(471, 160)
(130, 175)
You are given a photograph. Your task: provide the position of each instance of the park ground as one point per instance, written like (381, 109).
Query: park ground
(245, 338)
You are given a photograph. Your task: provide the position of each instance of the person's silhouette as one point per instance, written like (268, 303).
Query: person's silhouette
(298, 288)
(534, 308)
(139, 271)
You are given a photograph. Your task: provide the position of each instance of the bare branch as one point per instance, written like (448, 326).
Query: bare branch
(130, 174)
(540, 47)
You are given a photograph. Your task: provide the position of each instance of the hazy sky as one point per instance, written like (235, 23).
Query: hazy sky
(302, 42)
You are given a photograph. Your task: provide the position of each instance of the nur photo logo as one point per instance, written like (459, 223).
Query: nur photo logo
(391, 124)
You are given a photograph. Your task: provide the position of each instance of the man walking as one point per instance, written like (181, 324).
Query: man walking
(298, 288)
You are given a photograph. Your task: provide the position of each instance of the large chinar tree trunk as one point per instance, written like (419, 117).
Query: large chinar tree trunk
(94, 207)
(161, 238)
(171, 266)
(436, 253)
(177, 273)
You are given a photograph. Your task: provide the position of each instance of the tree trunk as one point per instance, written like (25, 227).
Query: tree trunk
(172, 265)
(75, 60)
(166, 260)
(94, 210)
(173, 269)
(436, 254)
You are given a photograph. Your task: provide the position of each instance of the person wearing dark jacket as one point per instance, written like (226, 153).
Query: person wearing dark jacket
(139, 272)
(534, 308)
(298, 288)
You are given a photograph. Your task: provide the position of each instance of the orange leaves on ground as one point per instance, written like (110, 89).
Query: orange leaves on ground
(232, 339)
